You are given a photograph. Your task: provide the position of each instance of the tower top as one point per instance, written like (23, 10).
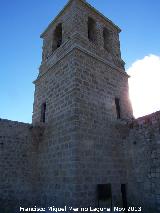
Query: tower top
(86, 4)
(80, 25)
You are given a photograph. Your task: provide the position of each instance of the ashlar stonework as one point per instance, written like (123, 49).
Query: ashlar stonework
(83, 147)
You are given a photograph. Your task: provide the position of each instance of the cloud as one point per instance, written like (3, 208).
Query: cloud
(144, 85)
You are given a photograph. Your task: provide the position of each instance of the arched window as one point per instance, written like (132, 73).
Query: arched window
(91, 29)
(57, 37)
(106, 39)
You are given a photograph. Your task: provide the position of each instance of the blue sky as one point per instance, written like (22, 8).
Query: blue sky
(22, 22)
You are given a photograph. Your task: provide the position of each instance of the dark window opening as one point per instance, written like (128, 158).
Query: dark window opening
(124, 196)
(118, 109)
(57, 37)
(91, 29)
(104, 195)
(43, 112)
(106, 39)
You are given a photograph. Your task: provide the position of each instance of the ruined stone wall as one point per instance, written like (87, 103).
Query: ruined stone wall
(17, 166)
(143, 163)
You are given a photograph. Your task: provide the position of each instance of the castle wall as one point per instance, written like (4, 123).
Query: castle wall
(17, 166)
(143, 163)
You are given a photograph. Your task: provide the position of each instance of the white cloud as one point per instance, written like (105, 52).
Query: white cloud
(144, 85)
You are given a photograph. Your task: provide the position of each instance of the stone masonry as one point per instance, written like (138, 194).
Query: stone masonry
(143, 162)
(83, 133)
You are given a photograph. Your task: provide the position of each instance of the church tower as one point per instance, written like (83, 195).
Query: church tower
(81, 95)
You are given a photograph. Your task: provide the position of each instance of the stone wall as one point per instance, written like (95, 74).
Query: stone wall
(17, 166)
(143, 163)
(80, 147)
(56, 156)
(82, 143)
(99, 146)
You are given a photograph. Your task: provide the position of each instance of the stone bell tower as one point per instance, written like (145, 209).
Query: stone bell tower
(81, 94)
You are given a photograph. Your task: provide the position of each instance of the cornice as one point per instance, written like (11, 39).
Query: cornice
(78, 47)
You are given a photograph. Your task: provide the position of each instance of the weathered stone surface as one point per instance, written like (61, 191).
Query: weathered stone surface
(17, 165)
(143, 162)
(81, 143)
